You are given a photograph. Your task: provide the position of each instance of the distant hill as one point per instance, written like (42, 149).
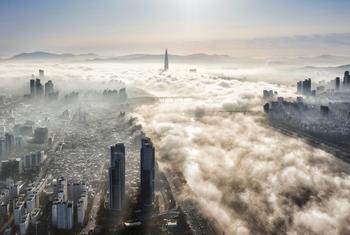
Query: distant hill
(192, 58)
(336, 69)
(199, 58)
(41, 55)
(344, 67)
(321, 60)
(316, 62)
(173, 57)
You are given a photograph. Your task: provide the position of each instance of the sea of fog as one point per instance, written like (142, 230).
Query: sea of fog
(248, 176)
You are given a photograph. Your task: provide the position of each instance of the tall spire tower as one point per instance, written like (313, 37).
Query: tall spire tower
(166, 60)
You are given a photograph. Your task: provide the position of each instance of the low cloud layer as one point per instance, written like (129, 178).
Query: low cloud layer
(249, 177)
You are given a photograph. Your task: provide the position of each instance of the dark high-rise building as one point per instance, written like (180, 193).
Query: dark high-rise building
(49, 88)
(306, 87)
(337, 83)
(117, 177)
(147, 172)
(166, 61)
(309, 86)
(39, 90)
(117, 148)
(346, 81)
(32, 88)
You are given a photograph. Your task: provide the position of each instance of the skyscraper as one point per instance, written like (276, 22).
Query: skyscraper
(32, 87)
(337, 83)
(166, 60)
(346, 81)
(49, 88)
(147, 172)
(306, 87)
(117, 177)
(39, 90)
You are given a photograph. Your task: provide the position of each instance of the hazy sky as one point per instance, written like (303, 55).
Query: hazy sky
(242, 27)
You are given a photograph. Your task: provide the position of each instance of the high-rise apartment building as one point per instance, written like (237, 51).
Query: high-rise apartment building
(147, 172)
(117, 177)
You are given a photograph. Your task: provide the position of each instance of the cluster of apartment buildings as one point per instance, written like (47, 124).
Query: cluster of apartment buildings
(68, 198)
(322, 114)
(27, 162)
(23, 203)
(9, 143)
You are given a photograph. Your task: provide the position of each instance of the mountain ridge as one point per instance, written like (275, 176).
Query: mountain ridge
(91, 57)
(37, 55)
(320, 60)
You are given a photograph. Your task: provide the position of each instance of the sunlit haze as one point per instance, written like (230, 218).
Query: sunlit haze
(235, 27)
(174, 117)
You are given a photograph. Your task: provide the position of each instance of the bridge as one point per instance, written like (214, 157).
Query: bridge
(160, 98)
(165, 97)
(145, 99)
(240, 111)
(172, 214)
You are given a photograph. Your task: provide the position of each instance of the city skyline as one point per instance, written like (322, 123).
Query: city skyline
(238, 27)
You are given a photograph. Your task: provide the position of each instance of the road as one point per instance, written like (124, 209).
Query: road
(338, 151)
(198, 223)
(91, 225)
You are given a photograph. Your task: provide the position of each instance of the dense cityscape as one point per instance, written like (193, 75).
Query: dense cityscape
(322, 112)
(78, 166)
(174, 117)
(68, 169)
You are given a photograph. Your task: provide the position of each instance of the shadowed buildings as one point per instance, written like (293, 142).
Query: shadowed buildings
(337, 83)
(117, 177)
(346, 81)
(147, 172)
(48, 88)
(39, 90)
(304, 87)
(32, 87)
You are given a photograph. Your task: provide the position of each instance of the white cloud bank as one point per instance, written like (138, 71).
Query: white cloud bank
(251, 178)
(248, 176)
